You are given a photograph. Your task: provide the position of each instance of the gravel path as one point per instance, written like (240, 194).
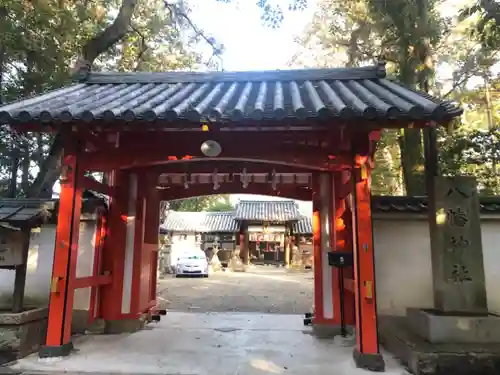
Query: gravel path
(261, 289)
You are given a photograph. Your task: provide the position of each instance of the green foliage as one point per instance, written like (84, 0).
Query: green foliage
(273, 12)
(414, 38)
(40, 42)
(487, 27)
(222, 204)
(387, 177)
(204, 203)
(475, 153)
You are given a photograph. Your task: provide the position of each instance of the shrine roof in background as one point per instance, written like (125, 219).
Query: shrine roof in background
(203, 222)
(25, 212)
(418, 205)
(303, 226)
(269, 211)
(302, 223)
(185, 99)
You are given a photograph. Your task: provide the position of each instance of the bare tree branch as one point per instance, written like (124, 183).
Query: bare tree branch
(144, 47)
(176, 11)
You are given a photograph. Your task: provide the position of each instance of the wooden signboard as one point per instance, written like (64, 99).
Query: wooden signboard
(11, 248)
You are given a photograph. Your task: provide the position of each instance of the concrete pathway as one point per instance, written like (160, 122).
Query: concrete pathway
(209, 343)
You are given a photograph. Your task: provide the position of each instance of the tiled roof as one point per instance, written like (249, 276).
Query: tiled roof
(346, 93)
(273, 211)
(20, 211)
(200, 222)
(408, 205)
(488, 205)
(303, 226)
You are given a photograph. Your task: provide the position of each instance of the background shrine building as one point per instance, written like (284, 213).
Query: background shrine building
(260, 229)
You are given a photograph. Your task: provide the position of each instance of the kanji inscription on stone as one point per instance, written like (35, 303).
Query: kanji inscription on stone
(456, 190)
(458, 244)
(457, 256)
(457, 217)
(460, 274)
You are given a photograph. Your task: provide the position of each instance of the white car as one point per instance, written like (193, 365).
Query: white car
(192, 263)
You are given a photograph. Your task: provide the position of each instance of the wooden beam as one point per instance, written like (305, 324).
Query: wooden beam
(90, 183)
(127, 159)
(236, 187)
(96, 141)
(92, 281)
(234, 166)
(331, 137)
(150, 150)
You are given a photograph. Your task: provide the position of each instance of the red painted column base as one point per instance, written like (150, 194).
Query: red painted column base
(366, 354)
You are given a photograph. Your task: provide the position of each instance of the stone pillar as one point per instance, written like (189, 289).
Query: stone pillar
(456, 247)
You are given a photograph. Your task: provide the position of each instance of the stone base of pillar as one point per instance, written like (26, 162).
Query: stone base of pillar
(124, 325)
(370, 362)
(22, 333)
(56, 351)
(423, 357)
(437, 327)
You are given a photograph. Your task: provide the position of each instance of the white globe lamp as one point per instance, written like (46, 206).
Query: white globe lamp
(211, 148)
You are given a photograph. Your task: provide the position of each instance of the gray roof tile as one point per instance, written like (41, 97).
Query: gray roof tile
(273, 211)
(346, 93)
(18, 211)
(227, 221)
(303, 226)
(204, 222)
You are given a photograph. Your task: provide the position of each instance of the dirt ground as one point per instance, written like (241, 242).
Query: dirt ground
(260, 289)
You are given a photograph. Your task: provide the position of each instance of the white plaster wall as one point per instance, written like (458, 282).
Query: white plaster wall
(491, 256)
(85, 262)
(403, 264)
(189, 240)
(40, 260)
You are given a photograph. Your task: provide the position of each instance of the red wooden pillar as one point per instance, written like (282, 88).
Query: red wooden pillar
(332, 223)
(140, 269)
(100, 235)
(113, 255)
(366, 353)
(58, 341)
(341, 227)
(316, 229)
(151, 243)
(324, 283)
(244, 248)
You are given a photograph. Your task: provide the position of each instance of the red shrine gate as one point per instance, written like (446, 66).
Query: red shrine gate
(306, 134)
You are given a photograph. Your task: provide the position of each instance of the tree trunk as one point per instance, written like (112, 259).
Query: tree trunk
(410, 143)
(412, 161)
(14, 167)
(25, 169)
(109, 36)
(49, 171)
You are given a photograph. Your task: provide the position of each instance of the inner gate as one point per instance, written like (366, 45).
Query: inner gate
(303, 134)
